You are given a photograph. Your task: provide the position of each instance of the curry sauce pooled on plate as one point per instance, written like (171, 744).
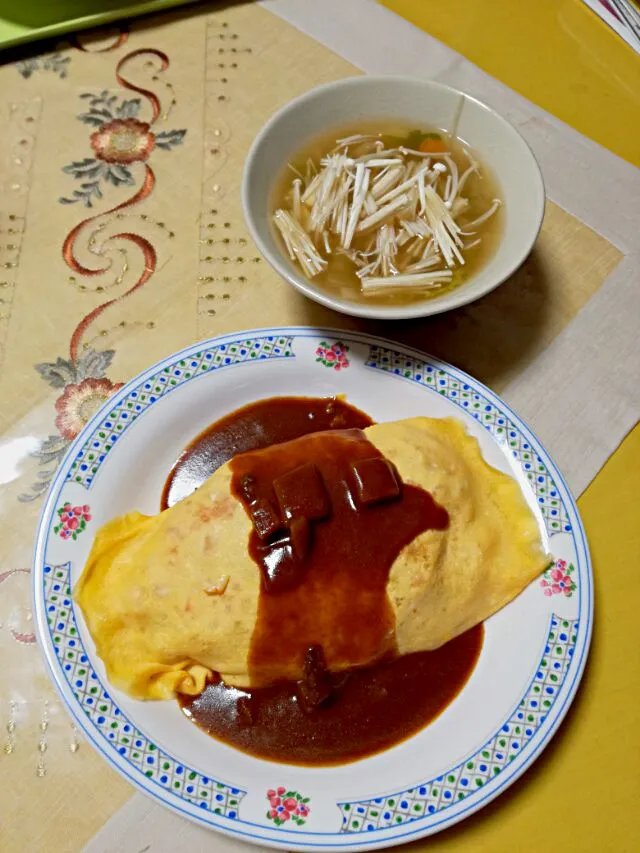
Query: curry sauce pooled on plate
(304, 596)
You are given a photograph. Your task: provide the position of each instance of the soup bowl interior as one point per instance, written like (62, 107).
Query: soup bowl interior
(415, 103)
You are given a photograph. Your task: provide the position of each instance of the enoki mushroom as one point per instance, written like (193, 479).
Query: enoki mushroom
(406, 203)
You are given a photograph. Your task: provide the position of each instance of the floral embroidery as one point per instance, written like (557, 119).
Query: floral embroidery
(73, 520)
(557, 579)
(287, 805)
(78, 403)
(334, 356)
(120, 140)
(123, 141)
(51, 62)
(84, 390)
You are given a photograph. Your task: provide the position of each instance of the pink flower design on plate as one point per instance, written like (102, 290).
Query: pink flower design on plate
(72, 520)
(287, 805)
(557, 579)
(334, 355)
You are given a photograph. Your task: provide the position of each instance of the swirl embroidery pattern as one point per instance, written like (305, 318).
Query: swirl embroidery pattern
(27, 638)
(122, 144)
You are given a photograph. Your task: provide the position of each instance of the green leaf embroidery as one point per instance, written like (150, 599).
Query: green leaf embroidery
(93, 364)
(89, 190)
(58, 373)
(128, 109)
(87, 168)
(167, 139)
(53, 62)
(117, 174)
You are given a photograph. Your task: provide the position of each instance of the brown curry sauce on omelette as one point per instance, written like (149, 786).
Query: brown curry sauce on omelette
(330, 515)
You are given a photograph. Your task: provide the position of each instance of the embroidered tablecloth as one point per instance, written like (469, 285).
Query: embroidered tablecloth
(122, 240)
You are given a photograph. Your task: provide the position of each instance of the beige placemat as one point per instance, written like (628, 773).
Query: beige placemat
(191, 89)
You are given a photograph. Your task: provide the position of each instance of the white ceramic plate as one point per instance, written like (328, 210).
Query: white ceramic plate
(529, 668)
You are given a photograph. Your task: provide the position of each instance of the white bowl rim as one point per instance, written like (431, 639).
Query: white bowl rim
(456, 298)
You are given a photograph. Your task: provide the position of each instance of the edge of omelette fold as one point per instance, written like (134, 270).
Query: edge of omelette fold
(150, 590)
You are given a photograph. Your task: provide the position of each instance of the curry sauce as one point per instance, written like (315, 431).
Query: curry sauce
(329, 517)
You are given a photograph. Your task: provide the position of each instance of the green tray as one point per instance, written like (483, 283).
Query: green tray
(26, 21)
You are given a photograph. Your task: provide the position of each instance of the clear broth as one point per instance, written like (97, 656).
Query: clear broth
(339, 279)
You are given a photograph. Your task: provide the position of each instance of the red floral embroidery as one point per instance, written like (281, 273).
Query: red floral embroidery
(557, 579)
(334, 355)
(287, 805)
(73, 520)
(78, 403)
(120, 140)
(123, 141)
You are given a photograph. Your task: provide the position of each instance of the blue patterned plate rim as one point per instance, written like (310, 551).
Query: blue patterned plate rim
(409, 827)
